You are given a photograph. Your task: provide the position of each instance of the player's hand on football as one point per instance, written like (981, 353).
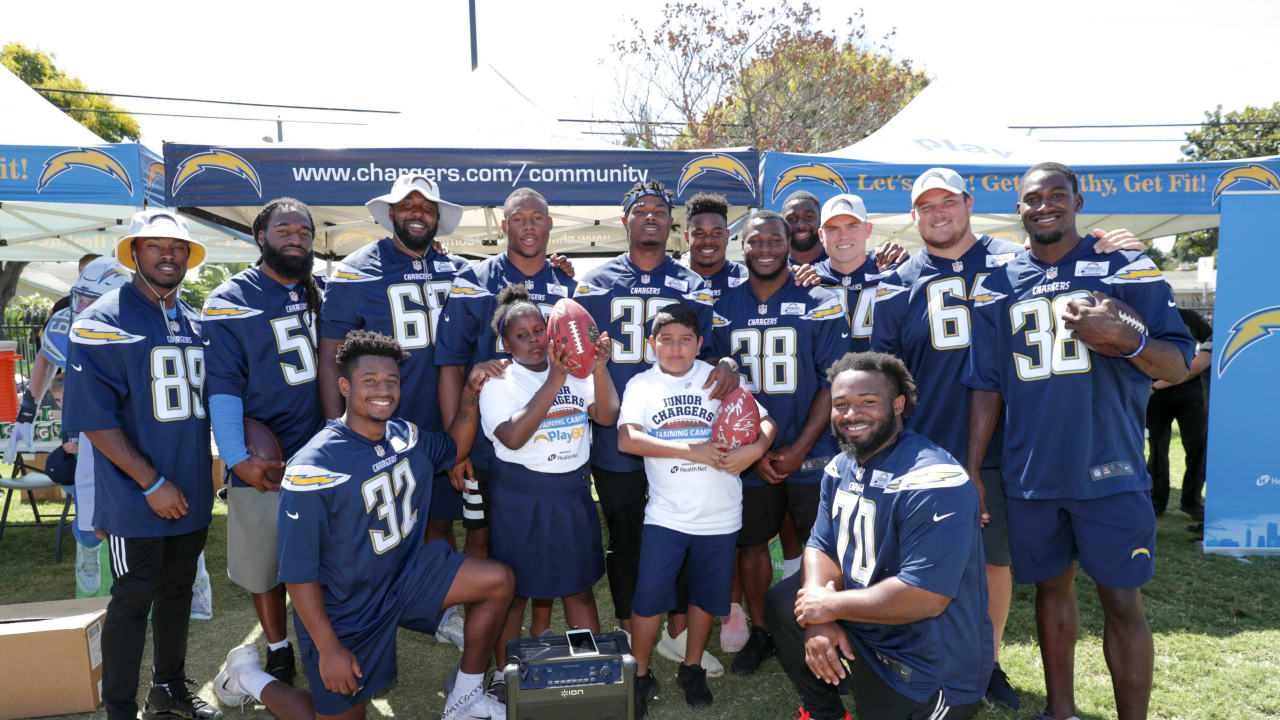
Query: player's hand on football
(561, 263)
(823, 646)
(738, 460)
(1109, 242)
(889, 254)
(604, 348)
(813, 605)
(253, 470)
(460, 473)
(339, 669)
(805, 275)
(167, 501)
(764, 468)
(561, 359)
(724, 378)
(1098, 323)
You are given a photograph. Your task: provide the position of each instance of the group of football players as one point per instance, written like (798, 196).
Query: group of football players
(935, 420)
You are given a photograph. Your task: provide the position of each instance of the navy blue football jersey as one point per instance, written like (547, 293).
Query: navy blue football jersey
(1074, 419)
(260, 347)
(381, 288)
(922, 315)
(133, 368)
(352, 513)
(464, 336)
(623, 299)
(910, 512)
(783, 347)
(857, 291)
(730, 275)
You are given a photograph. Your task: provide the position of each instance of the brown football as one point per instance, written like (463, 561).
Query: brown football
(571, 325)
(1127, 315)
(265, 445)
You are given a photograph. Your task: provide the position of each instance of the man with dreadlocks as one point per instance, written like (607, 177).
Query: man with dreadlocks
(260, 360)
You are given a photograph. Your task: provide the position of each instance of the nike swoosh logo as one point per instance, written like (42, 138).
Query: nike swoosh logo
(295, 515)
(76, 367)
(1173, 304)
(844, 335)
(937, 517)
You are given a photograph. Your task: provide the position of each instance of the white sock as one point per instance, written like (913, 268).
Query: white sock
(790, 567)
(465, 683)
(276, 646)
(254, 682)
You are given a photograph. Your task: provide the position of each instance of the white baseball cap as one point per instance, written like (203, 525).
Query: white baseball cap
(380, 207)
(159, 223)
(843, 204)
(937, 179)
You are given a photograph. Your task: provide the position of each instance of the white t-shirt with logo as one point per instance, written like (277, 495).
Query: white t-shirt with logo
(684, 496)
(562, 441)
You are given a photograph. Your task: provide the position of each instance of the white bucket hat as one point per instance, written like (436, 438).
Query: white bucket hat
(159, 223)
(380, 207)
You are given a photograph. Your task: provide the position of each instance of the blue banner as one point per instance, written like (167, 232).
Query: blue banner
(200, 175)
(1175, 188)
(122, 174)
(1242, 504)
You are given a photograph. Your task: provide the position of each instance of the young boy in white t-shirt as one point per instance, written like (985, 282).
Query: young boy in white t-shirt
(695, 497)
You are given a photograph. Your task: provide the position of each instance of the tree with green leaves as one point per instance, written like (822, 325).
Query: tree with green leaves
(1252, 132)
(95, 112)
(714, 75)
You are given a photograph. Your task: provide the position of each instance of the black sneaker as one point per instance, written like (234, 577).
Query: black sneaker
(759, 647)
(646, 692)
(175, 702)
(999, 692)
(693, 680)
(281, 665)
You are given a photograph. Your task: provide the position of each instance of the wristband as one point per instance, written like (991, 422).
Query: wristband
(154, 486)
(1141, 346)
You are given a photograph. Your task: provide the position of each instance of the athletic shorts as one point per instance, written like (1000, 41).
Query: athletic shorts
(252, 561)
(708, 563)
(446, 503)
(995, 536)
(1114, 537)
(762, 509)
(416, 604)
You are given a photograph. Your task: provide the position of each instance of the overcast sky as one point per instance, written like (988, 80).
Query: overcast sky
(1092, 62)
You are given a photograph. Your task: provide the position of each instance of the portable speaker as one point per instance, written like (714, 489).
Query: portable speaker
(588, 677)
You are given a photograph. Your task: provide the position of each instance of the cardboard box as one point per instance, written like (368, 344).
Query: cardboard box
(51, 657)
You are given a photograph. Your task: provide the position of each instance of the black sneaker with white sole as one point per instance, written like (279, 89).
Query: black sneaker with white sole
(281, 664)
(999, 692)
(175, 701)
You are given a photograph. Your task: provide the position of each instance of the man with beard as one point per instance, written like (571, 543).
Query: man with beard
(1036, 320)
(136, 375)
(802, 211)
(397, 287)
(784, 338)
(465, 337)
(891, 604)
(272, 381)
(623, 296)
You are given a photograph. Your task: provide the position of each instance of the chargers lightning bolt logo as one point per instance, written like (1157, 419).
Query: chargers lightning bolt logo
(809, 171)
(1248, 330)
(223, 160)
(61, 162)
(1241, 173)
(155, 176)
(716, 162)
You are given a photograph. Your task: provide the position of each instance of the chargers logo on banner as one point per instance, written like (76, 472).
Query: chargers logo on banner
(1245, 173)
(716, 162)
(66, 160)
(155, 176)
(809, 171)
(1248, 330)
(223, 160)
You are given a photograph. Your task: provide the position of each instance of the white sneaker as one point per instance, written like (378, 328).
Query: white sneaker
(475, 705)
(451, 628)
(227, 684)
(734, 629)
(672, 648)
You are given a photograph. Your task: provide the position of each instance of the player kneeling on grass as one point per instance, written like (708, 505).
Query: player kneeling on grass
(695, 497)
(892, 600)
(353, 508)
(543, 522)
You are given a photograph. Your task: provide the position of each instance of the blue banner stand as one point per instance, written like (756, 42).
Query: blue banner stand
(1242, 505)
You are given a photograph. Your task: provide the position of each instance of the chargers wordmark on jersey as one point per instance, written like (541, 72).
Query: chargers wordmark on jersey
(94, 332)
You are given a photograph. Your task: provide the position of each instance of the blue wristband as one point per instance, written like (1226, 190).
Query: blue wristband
(1141, 346)
(154, 486)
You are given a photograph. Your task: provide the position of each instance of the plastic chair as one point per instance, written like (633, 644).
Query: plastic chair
(28, 479)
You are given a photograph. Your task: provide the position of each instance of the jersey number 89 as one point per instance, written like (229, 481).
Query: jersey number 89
(177, 376)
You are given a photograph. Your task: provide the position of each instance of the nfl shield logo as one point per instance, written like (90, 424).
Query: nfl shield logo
(293, 296)
(378, 449)
(846, 280)
(528, 284)
(173, 327)
(957, 266)
(762, 309)
(644, 278)
(417, 264)
(1051, 273)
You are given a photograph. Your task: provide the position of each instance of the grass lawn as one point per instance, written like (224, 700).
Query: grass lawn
(1216, 622)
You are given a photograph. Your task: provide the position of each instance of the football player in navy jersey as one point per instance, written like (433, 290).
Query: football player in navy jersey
(892, 600)
(464, 336)
(353, 506)
(707, 234)
(849, 270)
(802, 211)
(260, 356)
(622, 296)
(1035, 320)
(784, 338)
(136, 366)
